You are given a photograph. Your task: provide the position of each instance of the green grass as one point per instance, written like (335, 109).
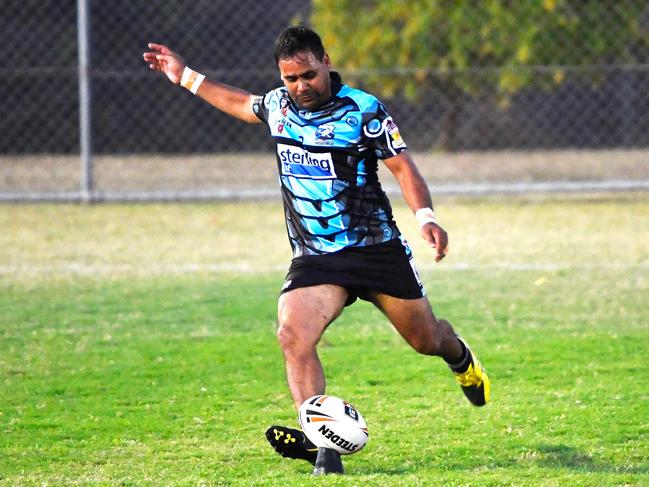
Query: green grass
(132, 353)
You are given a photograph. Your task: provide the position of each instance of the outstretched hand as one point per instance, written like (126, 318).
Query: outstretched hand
(437, 238)
(163, 59)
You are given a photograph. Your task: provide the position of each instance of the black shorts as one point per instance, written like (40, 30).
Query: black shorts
(387, 268)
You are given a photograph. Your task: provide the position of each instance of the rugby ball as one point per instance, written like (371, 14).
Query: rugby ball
(331, 422)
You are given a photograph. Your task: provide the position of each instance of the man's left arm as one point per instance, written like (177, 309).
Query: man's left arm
(417, 196)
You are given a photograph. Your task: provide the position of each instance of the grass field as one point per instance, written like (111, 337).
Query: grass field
(137, 347)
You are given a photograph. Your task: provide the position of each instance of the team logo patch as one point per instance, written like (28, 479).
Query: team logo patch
(324, 134)
(299, 163)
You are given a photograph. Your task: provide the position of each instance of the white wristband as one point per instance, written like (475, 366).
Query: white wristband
(425, 215)
(191, 79)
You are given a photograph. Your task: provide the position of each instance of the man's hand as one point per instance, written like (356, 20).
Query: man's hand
(437, 238)
(163, 59)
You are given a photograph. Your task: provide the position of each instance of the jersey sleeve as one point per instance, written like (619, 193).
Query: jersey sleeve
(382, 133)
(261, 106)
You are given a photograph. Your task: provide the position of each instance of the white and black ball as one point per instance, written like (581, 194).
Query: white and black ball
(331, 422)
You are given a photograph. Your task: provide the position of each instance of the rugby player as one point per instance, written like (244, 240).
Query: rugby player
(346, 244)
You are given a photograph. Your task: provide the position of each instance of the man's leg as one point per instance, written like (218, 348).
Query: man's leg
(303, 316)
(415, 321)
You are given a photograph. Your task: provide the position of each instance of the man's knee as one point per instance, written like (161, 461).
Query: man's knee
(294, 336)
(304, 313)
(287, 335)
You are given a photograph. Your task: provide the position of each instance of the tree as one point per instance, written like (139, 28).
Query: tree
(466, 47)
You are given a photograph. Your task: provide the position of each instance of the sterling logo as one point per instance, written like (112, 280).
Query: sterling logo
(299, 163)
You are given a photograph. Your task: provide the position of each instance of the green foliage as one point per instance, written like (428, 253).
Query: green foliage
(432, 39)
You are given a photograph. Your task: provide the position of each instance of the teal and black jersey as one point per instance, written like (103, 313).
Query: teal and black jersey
(328, 162)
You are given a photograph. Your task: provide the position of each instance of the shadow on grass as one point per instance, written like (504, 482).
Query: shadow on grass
(563, 456)
(543, 456)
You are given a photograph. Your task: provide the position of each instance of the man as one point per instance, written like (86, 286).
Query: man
(345, 242)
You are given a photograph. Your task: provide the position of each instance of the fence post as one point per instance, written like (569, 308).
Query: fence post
(85, 101)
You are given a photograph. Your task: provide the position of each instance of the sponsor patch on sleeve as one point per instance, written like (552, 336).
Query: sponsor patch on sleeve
(393, 131)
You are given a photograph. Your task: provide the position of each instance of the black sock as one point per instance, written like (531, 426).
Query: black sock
(463, 364)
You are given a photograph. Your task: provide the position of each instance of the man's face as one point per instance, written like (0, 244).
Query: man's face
(306, 79)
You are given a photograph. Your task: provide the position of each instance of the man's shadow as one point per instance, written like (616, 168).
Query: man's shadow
(563, 456)
(548, 456)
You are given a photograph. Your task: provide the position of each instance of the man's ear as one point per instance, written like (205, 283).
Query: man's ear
(326, 61)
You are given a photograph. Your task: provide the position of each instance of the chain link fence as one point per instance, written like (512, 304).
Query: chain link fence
(563, 122)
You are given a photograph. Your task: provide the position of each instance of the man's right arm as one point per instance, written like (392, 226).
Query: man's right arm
(229, 99)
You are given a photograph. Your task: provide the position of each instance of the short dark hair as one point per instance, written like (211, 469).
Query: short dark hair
(298, 38)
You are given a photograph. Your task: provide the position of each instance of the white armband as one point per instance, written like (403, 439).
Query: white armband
(425, 215)
(191, 79)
